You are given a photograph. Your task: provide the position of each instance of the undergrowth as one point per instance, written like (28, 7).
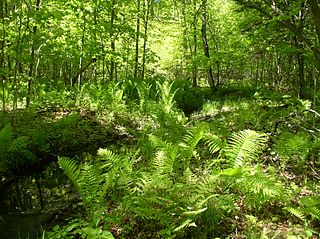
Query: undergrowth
(186, 164)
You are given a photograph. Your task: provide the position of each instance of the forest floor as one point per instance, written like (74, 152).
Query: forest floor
(289, 157)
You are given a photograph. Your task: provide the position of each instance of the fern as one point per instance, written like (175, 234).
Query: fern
(311, 205)
(71, 169)
(91, 183)
(296, 212)
(109, 159)
(308, 206)
(215, 144)
(6, 137)
(258, 187)
(191, 140)
(173, 193)
(166, 94)
(244, 146)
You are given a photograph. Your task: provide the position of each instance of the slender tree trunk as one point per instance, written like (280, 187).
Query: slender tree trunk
(277, 72)
(2, 56)
(185, 43)
(31, 66)
(302, 86)
(135, 75)
(205, 44)
(218, 73)
(113, 43)
(146, 22)
(300, 55)
(38, 181)
(194, 55)
(16, 68)
(315, 9)
(81, 53)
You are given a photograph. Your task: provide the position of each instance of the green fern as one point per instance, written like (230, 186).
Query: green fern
(166, 95)
(244, 147)
(311, 205)
(191, 140)
(6, 137)
(308, 206)
(91, 183)
(71, 169)
(214, 143)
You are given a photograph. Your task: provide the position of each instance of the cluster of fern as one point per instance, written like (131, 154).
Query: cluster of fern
(179, 190)
(181, 180)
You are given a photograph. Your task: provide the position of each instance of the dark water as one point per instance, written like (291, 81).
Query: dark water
(29, 203)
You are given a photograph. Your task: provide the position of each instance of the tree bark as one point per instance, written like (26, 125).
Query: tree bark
(81, 68)
(2, 56)
(205, 45)
(31, 66)
(194, 55)
(146, 22)
(112, 44)
(136, 62)
(315, 9)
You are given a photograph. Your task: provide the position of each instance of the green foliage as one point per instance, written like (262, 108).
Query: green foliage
(190, 99)
(166, 95)
(6, 138)
(78, 228)
(15, 152)
(174, 193)
(293, 147)
(90, 183)
(308, 206)
(244, 147)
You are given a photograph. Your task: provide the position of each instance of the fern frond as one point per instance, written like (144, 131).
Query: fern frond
(214, 143)
(163, 162)
(311, 205)
(245, 146)
(257, 184)
(190, 141)
(296, 212)
(110, 159)
(71, 169)
(6, 137)
(167, 96)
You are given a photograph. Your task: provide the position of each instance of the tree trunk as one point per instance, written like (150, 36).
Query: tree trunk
(81, 53)
(205, 44)
(2, 56)
(31, 66)
(136, 62)
(16, 69)
(194, 55)
(113, 44)
(146, 21)
(315, 9)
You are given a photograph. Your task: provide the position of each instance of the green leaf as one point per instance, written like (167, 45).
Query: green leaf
(195, 212)
(185, 224)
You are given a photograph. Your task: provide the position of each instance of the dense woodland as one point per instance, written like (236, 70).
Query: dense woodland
(159, 119)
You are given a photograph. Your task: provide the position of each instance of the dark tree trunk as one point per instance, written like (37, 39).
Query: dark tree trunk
(146, 22)
(136, 61)
(31, 66)
(194, 55)
(205, 44)
(2, 56)
(113, 43)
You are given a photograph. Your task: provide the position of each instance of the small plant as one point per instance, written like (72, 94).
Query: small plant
(92, 182)
(309, 208)
(166, 95)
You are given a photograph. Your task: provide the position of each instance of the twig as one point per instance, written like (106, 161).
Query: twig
(313, 111)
